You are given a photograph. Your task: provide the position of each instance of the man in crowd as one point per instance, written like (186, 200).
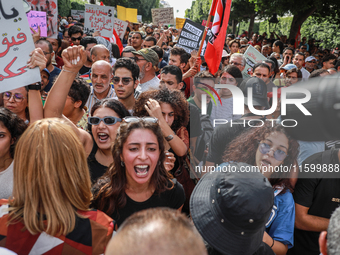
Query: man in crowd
(263, 71)
(88, 42)
(299, 61)
(310, 64)
(47, 48)
(329, 240)
(171, 77)
(137, 40)
(125, 80)
(149, 42)
(328, 61)
(101, 75)
(146, 59)
(76, 34)
(149, 31)
(266, 50)
(254, 40)
(56, 45)
(238, 60)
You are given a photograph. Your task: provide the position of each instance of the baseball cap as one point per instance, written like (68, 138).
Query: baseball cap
(310, 58)
(129, 49)
(259, 91)
(48, 72)
(149, 54)
(230, 209)
(288, 67)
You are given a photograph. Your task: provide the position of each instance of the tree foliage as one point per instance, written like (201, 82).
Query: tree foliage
(64, 7)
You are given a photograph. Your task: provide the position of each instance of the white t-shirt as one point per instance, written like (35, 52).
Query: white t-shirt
(142, 87)
(6, 182)
(224, 111)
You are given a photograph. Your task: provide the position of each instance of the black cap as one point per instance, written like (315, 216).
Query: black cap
(259, 90)
(230, 209)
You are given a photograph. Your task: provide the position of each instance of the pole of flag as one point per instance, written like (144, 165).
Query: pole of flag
(204, 35)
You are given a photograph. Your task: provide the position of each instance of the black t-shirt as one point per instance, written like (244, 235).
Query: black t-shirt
(194, 125)
(320, 195)
(173, 198)
(263, 249)
(97, 170)
(84, 70)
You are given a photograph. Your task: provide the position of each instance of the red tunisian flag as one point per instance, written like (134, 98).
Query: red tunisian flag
(220, 9)
(298, 38)
(115, 39)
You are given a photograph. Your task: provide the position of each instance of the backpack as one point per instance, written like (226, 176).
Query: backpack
(204, 139)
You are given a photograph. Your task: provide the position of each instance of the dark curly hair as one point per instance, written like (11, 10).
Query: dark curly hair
(175, 98)
(15, 125)
(243, 149)
(109, 191)
(79, 91)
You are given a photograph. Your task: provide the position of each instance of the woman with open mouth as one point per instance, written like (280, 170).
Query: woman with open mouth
(137, 179)
(272, 151)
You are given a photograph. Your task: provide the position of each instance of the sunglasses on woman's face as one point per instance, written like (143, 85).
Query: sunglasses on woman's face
(279, 155)
(137, 119)
(109, 120)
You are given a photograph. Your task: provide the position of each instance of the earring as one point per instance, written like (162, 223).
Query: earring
(122, 164)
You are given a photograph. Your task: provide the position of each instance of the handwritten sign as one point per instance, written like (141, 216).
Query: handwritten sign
(78, 14)
(38, 19)
(16, 43)
(191, 37)
(120, 27)
(51, 9)
(163, 15)
(179, 23)
(99, 18)
(252, 56)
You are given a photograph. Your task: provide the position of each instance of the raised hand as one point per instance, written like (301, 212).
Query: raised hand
(74, 58)
(37, 58)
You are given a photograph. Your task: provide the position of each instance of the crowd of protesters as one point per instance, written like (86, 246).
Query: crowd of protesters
(111, 139)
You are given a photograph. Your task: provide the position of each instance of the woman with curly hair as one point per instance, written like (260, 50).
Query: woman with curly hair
(273, 151)
(137, 178)
(171, 109)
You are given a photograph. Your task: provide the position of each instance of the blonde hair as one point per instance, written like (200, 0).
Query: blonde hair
(51, 179)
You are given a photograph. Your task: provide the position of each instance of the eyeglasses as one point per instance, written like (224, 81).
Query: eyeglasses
(137, 119)
(76, 38)
(108, 120)
(235, 64)
(125, 80)
(18, 97)
(279, 155)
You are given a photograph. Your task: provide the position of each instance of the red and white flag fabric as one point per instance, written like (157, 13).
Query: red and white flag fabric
(115, 39)
(220, 9)
(298, 38)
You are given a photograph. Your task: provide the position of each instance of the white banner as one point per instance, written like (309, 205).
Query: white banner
(120, 27)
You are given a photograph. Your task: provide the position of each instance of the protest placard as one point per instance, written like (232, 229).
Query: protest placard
(191, 37)
(51, 9)
(139, 18)
(120, 27)
(163, 15)
(16, 45)
(127, 14)
(252, 56)
(179, 23)
(78, 14)
(99, 18)
(38, 19)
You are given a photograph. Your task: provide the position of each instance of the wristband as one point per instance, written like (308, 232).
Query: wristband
(169, 138)
(36, 86)
(68, 71)
(272, 244)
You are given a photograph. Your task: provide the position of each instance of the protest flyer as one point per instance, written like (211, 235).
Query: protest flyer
(120, 27)
(15, 47)
(78, 14)
(51, 9)
(127, 14)
(252, 56)
(179, 23)
(99, 18)
(38, 19)
(163, 15)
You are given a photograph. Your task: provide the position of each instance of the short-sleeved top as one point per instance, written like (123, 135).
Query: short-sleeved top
(90, 235)
(173, 198)
(321, 196)
(280, 225)
(209, 107)
(53, 75)
(6, 182)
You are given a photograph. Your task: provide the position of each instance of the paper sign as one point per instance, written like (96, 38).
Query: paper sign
(163, 15)
(139, 18)
(51, 9)
(16, 43)
(191, 37)
(99, 18)
(179, 23)
(120, 27)
(252, 56)
(121, 12)
(78, 14)
(36, 19)
(127, 14)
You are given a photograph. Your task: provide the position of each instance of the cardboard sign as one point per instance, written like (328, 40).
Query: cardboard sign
(38, 19)
(120, 27)
(78, 14)
(99, 18)
(16, 43)
(127, 14)
(191, 37)
(179, 23)
(252, 56)
(51, 9)
(163, 15)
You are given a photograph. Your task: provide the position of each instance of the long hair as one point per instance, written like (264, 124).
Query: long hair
(51, 179)
(109, 191)
(175, 98)
(243, 149)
